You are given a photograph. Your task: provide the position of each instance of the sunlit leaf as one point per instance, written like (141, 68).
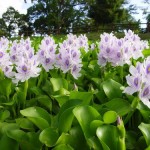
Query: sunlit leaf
(59, 83)
(63, 147)
(84, 115)
(120, 106)
(36, 112)
(65, 120)
(48, 137)
(105, 133)
(110, 117)
(112, 89)
(145, 129)
(86, 97)
(17, 135)
(25, 123)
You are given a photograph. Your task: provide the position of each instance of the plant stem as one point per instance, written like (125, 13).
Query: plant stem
(133, 105)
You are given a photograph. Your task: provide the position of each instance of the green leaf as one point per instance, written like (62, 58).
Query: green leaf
(146, 52)
(145, 129)
(5, 87)
(47, 87)
(112, 89)
(140, 144)
(39, 116)
(105, 133)
(4, 115)
(8, 126)
(110, 117)
(131, 139)
(63, 147)
(95, 124)
(17, 135)
(120, 106)
(6, 143)
(86, 97)
(65, 138)
(77, 139)
(65, 120)
(45, 101)
(65, 116)
(94, 143)
(148, 148)
(59, 83)
(69, 104)
(32, 143)
(144, 110)
(36, 112)
(25, 123)
(84, 115)
(61, 99)
(48, 137)
(39, 122)
(36, 90)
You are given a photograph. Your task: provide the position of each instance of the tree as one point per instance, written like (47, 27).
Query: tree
(107, 11)
(148, 23)
(11, 18)
(3, 28)
(55, 16)
(15, 22)
(24, 26)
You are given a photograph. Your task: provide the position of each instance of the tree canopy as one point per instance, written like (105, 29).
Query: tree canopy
(56, 15)
(63, 16)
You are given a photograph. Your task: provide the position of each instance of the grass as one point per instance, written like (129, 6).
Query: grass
(92, 36)
(96, 35)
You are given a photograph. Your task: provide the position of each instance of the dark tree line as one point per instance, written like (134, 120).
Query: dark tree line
(63, 16)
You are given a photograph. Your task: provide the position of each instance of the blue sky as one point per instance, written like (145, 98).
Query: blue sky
(22, 7)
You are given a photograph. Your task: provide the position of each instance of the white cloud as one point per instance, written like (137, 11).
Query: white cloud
(19, 5)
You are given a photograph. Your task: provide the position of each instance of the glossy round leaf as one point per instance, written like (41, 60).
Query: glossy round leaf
(65, 120)
(145, 129)
(59, 83)
(39, 122)
(86, 97)
(36, 112)
(120, 106)
(48, 137)
(108, 136)
(112, 89)
(110, 117)
(17, 135)
(84, 115)
(95, 124)
(25, 123)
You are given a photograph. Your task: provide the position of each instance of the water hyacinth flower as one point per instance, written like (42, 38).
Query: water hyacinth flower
(4, 43)
(26, 69)
(69, 57)
(83, 42)
(138, 81)
(120, 51)
(24, 61)
(5, 63)
(92, 46)
(47, 53)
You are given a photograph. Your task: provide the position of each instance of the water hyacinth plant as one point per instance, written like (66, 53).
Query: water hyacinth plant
(75, 94)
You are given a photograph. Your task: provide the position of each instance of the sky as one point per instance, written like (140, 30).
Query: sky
(140, 5)
(21, 6)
